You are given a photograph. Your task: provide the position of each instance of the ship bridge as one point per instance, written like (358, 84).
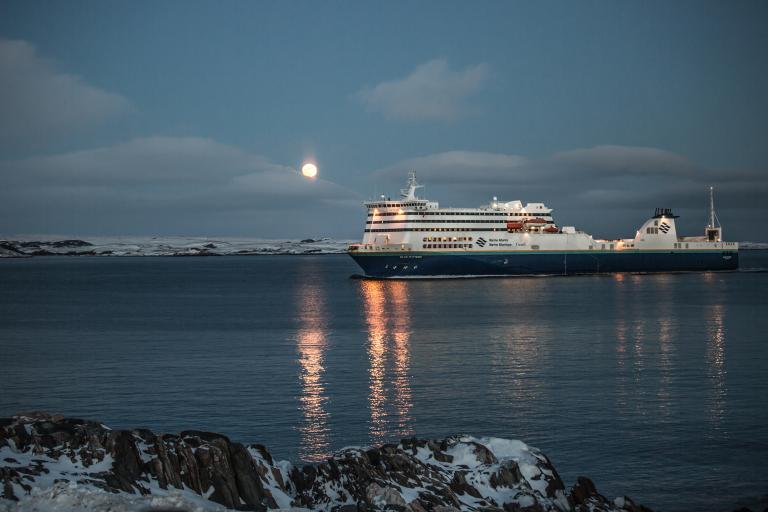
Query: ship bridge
(407, 199)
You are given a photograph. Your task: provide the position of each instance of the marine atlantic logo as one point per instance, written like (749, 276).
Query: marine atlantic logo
(664, 227)
(481, 242)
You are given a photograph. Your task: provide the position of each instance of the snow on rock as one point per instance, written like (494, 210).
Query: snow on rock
(50, 463)
(168, 246)
(71, 497)
(10, 250)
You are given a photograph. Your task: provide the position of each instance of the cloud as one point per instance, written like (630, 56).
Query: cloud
(165, 185)
(622, 160)
(37, 102)
(431, 92)
(455, 167)
(604, 189)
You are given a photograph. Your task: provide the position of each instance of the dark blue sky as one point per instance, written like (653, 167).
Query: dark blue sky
(191, 117)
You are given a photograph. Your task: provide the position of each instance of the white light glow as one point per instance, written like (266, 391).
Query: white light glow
(309, 170)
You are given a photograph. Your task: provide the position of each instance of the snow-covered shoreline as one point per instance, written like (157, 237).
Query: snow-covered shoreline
(49, 463)
(166, 246)
(22, 247)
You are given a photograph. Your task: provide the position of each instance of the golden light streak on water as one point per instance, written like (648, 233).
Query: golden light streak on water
(665, 367)
(311, 344)
(402, 334)
(621, 359)
(638, 365)
(621, 340)
(387, 316)
(716, 362)
(637, 346)
(375, 317)
(663, 324)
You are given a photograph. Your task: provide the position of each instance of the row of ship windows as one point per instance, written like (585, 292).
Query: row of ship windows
(652, 231)
(396, 205)
(446, 239)
(391, 230)
(441, 221)
(446, 246)
(386, 214)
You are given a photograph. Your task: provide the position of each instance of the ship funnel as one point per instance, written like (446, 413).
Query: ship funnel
(664, 212)
(659, 231)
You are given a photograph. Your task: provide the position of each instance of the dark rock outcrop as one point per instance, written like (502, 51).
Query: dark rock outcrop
(416, 475)
(9, 250)
(70, 243)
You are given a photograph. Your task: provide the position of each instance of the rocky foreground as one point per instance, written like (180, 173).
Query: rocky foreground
(49, 462)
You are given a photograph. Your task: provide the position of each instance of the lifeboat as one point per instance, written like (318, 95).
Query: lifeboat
(536, 221)
(514, 225)
(550, 229)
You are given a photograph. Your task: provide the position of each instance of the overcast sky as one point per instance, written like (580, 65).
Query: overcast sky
(193, 118)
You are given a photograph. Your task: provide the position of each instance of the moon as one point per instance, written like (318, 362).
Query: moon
(309, 170)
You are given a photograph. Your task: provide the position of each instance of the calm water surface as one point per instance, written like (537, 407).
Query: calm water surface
(653, 385)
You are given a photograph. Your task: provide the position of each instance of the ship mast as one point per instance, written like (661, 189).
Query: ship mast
(410, 192)
(713, 232)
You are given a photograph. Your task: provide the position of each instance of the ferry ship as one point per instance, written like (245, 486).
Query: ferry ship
(415, 237)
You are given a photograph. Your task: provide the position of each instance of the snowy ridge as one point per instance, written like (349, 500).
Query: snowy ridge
(167, 246)
(51, 463)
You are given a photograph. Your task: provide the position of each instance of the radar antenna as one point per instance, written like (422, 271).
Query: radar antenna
(410, 192)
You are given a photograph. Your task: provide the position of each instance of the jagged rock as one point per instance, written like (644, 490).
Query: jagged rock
(459, 485)
(483, 454)
(583, 490)
(381, 497)
(627, 504)
(54, 453)
(9, 250)
(506, 476)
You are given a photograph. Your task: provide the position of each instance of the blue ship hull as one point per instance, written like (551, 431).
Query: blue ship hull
(425, 264)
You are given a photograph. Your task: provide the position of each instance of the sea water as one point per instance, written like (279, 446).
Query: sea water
(655, 386)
